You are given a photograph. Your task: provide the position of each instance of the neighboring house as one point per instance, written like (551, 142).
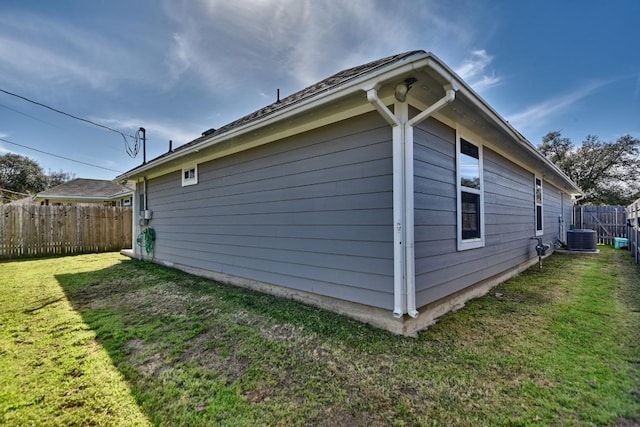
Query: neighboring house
(82, 190)
(389, 192)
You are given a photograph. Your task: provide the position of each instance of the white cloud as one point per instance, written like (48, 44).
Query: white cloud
(264, 44)
(541, 112)
(474, 70)
(51, 66)
(180, 58)
(47, 52)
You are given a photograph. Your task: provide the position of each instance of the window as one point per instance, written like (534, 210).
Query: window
(141, 206)
(470, 195)
(538, 206)
(190, 176)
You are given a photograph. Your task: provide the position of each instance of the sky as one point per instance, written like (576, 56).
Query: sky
(180, 67)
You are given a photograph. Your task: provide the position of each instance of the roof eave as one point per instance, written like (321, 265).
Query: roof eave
(343, 90)
(479, 102)
(79, 197)
(417, 61)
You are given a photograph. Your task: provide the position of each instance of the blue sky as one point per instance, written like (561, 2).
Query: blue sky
(179, 67)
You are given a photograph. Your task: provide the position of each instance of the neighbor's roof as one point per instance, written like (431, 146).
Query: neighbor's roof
(86, 189)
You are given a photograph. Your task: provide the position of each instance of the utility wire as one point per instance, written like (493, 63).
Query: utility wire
(132, 152)
(60, 157)
(30, 116)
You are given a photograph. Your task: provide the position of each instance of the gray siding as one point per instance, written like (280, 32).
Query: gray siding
(311, 212)
(509, 216)
(552, 211)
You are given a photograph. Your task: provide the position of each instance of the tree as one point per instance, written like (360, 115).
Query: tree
(22, 175)
(59, 177)
(607, 172)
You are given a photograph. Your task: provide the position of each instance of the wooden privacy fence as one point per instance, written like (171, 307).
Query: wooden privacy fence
(33, 230)
(609, 222)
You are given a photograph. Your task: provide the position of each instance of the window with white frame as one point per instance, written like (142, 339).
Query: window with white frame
(141, 204)
(538, 206)
(470, 195)
(190, 175)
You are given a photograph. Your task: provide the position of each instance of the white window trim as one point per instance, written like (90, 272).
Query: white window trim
(190, 181)
(536, 178)
(478, 242)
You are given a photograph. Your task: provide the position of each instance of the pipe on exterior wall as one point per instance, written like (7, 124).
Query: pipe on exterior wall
(399, 291)
(403, 196)
(450, 96)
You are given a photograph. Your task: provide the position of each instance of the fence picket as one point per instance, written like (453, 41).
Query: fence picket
(34, 230)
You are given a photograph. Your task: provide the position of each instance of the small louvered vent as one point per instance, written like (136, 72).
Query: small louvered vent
(582, 240)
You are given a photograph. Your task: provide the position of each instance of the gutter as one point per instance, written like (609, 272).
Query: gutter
(72, 197)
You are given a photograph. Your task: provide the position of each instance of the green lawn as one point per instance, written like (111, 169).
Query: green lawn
(103, 340)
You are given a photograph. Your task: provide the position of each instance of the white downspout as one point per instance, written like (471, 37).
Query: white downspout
(450, 95)
(399, 296)
(403, 197)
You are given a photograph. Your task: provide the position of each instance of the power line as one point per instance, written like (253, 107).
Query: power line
(60, 157)
(132, 152)
(30, 116)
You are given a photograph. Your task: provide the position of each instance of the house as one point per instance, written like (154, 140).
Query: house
(389, 192)
(82, 190)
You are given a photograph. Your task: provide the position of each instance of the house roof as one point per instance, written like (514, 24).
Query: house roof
(313, 90)
(83, 189)
(320, 87)
(351, 84)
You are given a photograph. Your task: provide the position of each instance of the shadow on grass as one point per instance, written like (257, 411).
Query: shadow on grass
(198, 352)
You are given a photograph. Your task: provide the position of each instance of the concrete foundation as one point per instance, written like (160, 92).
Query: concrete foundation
(374, 316)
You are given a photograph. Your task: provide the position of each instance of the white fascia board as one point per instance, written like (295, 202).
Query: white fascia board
(121, 195)
(413, 62)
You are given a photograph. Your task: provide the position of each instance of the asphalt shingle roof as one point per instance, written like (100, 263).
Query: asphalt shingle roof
(83, 187)
(308, 92)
